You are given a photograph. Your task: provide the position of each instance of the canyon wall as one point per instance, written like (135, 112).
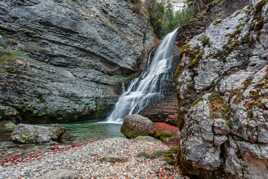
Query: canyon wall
(222, 95)
(61, 60)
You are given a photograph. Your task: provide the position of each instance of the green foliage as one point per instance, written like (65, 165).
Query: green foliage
(136, 1)
(137, 5)
(163, 19)
(199, 4)
(156, 13)
(184, 16)
(205, 41)
(7, 55)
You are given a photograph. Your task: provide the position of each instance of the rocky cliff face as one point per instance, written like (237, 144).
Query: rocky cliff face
(222, 86)
(62, 59)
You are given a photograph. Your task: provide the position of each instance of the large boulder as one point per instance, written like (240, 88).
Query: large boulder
(63, 60)
(136, 125)
(7, 126)
(7, 112)
(165, 132)
(222, 89)
(33, 134)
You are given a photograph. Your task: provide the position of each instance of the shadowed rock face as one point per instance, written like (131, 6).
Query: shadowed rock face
(78, 52)
(222, 90)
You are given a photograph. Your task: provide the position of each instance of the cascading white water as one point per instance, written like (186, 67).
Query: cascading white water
(149, 86)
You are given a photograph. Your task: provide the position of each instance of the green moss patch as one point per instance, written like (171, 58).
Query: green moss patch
(171, 155)
(7, 55)
(167, 155)
(114, 159)
(195, 54)
(205, 41)
(218, 107)
(152, 155)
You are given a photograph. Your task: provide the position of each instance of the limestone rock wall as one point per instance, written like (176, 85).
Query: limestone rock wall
(222, 89)
(75, 54)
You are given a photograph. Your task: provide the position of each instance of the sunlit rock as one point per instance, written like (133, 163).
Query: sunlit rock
(136, 125)
(32, 134)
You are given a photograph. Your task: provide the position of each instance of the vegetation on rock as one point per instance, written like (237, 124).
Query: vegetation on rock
(164, 19)
(222, 102)
(8, 55)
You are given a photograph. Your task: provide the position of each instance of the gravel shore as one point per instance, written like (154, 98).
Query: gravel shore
(107, 158)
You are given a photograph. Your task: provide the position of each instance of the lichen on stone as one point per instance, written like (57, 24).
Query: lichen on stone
(224, 99)
(218, 107)
(194, 54)
(8, 55)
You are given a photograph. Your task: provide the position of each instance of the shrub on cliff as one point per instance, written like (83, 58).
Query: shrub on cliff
(179, 18)
(137, 6)
(199, 4)
(7, 54)
(163, 18)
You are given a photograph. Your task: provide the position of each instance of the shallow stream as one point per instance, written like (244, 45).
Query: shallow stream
(92, 130)
(78, 132)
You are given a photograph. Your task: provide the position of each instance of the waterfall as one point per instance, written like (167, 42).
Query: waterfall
(150, 85)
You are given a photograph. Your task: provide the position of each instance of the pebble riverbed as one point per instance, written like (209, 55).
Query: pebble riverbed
(108, 158)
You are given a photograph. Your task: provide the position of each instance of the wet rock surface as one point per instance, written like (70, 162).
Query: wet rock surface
(222, 90)
(31, 134)
(63, 60)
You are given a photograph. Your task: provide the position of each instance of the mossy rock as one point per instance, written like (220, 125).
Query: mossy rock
(163, 136)
(6, 111)
(7, 126)
(218, 107)
(195, 54)
(136, 125)
(114, 159)
(205, 40)
(31, 134)
(8, 55)
(170, 156)
(152, 155)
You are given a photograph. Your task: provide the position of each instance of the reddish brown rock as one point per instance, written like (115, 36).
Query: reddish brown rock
(165, 132)
(172, 117)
